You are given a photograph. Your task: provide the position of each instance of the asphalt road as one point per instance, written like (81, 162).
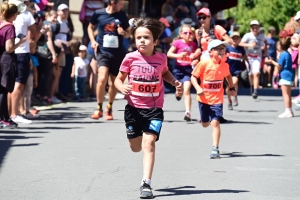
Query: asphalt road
(65, 155)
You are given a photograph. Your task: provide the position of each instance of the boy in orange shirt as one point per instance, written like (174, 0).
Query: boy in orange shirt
(211, 73)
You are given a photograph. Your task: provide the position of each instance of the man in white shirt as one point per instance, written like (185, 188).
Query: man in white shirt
(23, 23)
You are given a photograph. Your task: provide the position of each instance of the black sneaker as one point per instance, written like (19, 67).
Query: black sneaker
(254, 95)
(146, 191)
(215, 154)
(223, 120)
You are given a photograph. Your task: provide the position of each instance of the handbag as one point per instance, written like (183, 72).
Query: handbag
(44, 52)
(82, 12)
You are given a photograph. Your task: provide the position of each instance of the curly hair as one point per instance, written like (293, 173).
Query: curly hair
(154, 26)
(285, 43)
(292, 25)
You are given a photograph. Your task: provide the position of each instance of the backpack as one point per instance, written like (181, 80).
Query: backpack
(55, 29)
(211, 34)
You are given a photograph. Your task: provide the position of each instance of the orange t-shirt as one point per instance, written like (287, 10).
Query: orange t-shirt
(211, 75)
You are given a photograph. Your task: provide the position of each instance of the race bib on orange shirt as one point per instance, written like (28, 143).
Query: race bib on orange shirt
(145, 89)
(212, 86)
(186, 60)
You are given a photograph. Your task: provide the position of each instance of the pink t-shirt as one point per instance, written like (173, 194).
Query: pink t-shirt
(145, 75)
(43, 4)
(184, 47)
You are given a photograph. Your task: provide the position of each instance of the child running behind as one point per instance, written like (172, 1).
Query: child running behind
(146, 70)
(235, 55)
(184, 51)
(211, 73)
(284, 65)
(79, 71)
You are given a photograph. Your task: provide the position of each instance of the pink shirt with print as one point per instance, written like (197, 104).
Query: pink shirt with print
(145, 74)
(181, 46)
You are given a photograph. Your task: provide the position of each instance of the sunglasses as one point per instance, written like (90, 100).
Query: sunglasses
(202, 17)
(219, 49)
(187, 33)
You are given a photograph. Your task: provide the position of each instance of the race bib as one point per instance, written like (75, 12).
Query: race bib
(184, 60)
(145, 89)
(110, 41)
(212, 86)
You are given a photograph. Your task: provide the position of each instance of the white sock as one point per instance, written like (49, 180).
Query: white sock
(289, 110)
(146, 180)
(187, 111)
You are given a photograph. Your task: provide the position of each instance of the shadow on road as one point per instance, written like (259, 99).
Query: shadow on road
(241, 155)
(246, 122)
(255, 111)
(183, 191)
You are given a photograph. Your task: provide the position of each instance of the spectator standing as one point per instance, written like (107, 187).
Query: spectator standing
(271, 45)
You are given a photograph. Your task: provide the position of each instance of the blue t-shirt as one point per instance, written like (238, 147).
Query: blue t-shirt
(110, 42)
(272, 47)
(285, 61)
(166, 33)
(234, 59)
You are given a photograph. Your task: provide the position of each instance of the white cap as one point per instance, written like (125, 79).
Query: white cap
(21, 6)
(214, 43)
(82, 48)
(62, 7)
(198, 3)
(297, 17)
(254, 22)
(131, 22)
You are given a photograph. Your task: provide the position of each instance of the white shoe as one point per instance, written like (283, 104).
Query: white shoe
(54, 99)
(286, 115)
(296, 100)
(21, 119)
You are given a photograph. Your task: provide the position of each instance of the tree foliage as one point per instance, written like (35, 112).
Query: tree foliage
(268, 12)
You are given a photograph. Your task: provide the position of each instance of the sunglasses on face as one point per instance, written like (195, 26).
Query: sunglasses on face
(219, 49)
(187, 33)
(202, 17)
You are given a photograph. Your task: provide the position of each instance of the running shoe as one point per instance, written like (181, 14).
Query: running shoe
(286, 115)
(9, 124)
(230, 106)
(146, 191)
(187, 117)
(21, 119)
(2, 125)
(235, 101)
(108, 114)
(97, 114)
(254, 95)
(296, 99)
(214, 153)
(55, 100)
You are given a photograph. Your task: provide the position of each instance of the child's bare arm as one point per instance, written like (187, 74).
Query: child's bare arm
(119, 83)
(73, 71)
(35, 77)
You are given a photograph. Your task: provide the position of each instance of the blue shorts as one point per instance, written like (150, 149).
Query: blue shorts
(183, 73)
(210, 112)
(236, 73)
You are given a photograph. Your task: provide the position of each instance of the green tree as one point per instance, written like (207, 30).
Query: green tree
(268, 12)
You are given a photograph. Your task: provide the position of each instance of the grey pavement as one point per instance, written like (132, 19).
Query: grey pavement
(65, 155)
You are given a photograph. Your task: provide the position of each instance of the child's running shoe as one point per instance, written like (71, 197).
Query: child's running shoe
(254, 95)
(214, 153)
(146, 191)
(235, 101)
(108, 114)
(97, 114)
(286, 115)
(9, 124)
(230, 106)
(187, 117)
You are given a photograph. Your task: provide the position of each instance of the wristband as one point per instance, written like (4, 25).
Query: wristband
(232, 89)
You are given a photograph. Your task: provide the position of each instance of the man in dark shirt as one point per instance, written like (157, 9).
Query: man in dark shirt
(112, 25)
(271, 41)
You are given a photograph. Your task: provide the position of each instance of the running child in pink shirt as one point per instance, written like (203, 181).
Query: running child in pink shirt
(184, 50)
(146, 70)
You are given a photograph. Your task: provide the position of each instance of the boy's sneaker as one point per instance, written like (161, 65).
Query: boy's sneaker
(214, 153)
(108, 114)
(21, 119)
(235, 101)
(9, 124)
(230, 106)
(146, 192)
(286, 115)
(254, 95)
(55, 100)
(187, 117)
(97, 114)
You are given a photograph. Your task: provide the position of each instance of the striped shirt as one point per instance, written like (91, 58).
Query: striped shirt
(91, 6)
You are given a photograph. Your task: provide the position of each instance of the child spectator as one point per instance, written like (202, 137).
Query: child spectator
(79, 72)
